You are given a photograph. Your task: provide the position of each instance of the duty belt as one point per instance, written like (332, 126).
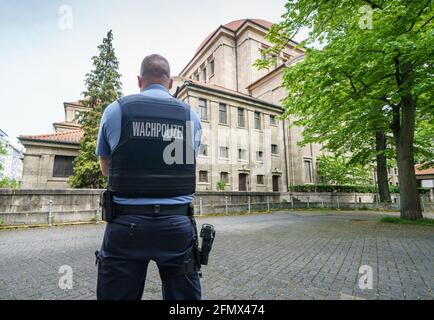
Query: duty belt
(154, 210)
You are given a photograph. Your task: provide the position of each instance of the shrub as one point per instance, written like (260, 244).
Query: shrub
(345, 188)
(221, 185)
(333, 188)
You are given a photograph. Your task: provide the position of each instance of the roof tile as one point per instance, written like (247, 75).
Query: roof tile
(73, 137)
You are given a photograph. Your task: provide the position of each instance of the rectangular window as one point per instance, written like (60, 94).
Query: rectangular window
(272, 120)
(211, 67)
(273, 60)
(257, 120)
(224, 152)
(204, 75)
(395, 171)
(307, 170)
(260, 179)
(203, 150)
(241, 118)
(259, 156)
(222, 113)
(242, 154)
(274, 149)
(78, 116)
(196, 76)
(203, 110)
(224, 176)
(263, 55)
(203, 176)
(63, 166)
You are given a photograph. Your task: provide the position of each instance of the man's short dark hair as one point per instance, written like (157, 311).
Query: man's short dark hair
(155, 66)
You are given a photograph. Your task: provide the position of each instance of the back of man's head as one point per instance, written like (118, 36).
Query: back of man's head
(155, 69)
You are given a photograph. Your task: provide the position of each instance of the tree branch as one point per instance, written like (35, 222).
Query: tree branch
(418, 15)
(384, 98)
(428, 21)
(351, 81)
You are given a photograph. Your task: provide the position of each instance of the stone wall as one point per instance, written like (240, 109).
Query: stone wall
(32, 206)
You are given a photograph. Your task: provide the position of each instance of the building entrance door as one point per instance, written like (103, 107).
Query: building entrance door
(275, 183)
(242, 182)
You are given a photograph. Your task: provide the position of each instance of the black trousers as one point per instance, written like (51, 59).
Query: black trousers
(130, 242)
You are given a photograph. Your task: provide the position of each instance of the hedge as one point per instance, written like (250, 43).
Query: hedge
(345, 188)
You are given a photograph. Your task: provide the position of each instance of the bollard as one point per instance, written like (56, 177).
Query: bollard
(248, 199)
(292, 203)
(308, 200)
(338, 201)
(226, 205)
(98, 212)
(422, 204)
(322, 204)
(268, 203)
(200, 206)
(50, 213)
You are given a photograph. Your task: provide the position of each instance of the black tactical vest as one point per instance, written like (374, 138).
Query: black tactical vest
(155, 154)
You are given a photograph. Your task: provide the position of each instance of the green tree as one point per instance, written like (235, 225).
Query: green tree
(103, 86)
(221, 185)
(424, 141)
(368, 77)
(339, 170)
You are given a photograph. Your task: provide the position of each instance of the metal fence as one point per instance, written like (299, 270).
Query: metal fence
(202, 207)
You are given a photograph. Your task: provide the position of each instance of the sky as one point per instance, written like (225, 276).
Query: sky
(46, 47)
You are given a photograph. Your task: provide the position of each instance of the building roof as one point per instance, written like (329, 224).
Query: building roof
(234, 26)
(78, 103)
(427, 171)
(66, 124)
(69, 137)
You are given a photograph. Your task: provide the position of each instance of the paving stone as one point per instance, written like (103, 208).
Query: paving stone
(284, 255)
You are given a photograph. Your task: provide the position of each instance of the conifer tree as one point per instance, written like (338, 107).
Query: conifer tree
(103, 86)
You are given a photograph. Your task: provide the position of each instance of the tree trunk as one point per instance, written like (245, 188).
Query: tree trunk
(382, 179)
(403, 132)
(410, 207)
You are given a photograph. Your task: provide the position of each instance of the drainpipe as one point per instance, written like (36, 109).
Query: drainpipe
(285, 148)
(236, 62)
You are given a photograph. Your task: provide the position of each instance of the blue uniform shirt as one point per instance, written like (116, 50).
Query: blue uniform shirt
(110, 132)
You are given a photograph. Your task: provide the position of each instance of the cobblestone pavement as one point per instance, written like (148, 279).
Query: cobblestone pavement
(284, 255)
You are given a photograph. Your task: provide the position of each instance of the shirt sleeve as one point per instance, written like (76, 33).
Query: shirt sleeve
(102, 145)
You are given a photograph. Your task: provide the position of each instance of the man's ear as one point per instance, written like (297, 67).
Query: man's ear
(170, 83)
(139, 82)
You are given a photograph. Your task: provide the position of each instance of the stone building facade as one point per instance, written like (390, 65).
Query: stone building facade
(11, 161)
(244, 143)
(221, 75)
(48, 157)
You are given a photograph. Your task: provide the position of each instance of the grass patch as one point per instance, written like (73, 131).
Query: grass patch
(421, 222)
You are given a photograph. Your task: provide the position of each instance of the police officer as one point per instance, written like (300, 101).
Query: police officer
(147, 144)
